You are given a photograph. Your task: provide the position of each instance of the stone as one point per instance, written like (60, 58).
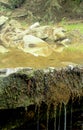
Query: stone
(3, 20)
(10, 34)
(13, 35)
(59, 33)
(42, 32)
(35, 46)
(37, 24)
(15, 24)
(69, 64)
(19, 88)
(59, 48)
(48, 33)
(18, 13)
(66, 42)
(3, 49)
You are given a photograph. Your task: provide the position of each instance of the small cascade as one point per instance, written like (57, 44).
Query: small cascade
(10, 71)
(71, 117)
(65, 117)
(38, 111)
(59, 118)
(54, 118)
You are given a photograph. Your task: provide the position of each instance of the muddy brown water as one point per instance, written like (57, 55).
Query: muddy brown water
(17, 58)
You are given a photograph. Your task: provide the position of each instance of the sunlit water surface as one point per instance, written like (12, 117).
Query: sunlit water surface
(17, 58)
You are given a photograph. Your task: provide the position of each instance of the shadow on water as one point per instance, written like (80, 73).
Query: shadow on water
(62, 117)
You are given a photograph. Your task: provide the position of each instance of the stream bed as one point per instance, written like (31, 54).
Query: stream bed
(17, 58)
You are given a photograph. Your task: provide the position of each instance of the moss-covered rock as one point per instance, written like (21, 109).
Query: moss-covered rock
(52, 86)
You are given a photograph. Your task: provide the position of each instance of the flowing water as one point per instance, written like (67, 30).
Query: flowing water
(54, 118)
(65, 117)
(17, 58)
(59, 118)
(71, 116)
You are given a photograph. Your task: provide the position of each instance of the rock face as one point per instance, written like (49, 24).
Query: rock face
(21, 87)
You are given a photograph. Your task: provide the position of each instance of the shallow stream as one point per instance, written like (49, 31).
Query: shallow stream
(17, 58)
(68, 117)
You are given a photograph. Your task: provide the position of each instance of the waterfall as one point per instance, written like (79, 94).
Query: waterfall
(11, 71)
(59, 118)
(65, 118)
(54, 118)
(71, 117)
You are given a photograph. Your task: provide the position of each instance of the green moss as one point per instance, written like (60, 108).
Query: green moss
(75, 48)
(70, 27)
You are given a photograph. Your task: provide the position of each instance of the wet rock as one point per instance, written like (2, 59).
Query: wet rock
(59, 48)
(35, 46)
(65, 42)
(15, 24)
(13, 35)
(10, 34)
(3, 49)
(69, 64)
(41, 32)
(34, 25)
(22, 87)
(59, 33)
(49, 33)
(3, 20)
